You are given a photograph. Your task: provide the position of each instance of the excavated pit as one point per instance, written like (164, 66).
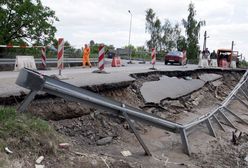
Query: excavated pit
(100, 131)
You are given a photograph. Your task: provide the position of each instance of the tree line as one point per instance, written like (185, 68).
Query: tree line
(167, 36)
(25, 22)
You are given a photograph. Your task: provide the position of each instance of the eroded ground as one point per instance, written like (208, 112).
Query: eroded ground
(97, 137)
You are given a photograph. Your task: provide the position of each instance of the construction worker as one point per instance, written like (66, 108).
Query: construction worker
(86, 56)
(213, 55)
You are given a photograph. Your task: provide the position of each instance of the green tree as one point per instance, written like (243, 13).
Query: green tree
(153, 26)
(181, 43)
(94, 48)
(164, 37)
(92, 42)
(26, 20)
(141, 48)
(192, 27)
(111, 47)
(132, 50)
(170, 35)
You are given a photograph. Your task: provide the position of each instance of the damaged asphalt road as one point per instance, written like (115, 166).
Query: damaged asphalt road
(173, 87)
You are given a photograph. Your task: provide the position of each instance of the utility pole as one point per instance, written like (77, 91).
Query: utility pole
(232, 46)
(129, 47)
(232, 50)
(205, 41)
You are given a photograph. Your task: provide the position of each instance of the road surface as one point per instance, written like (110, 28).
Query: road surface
(81, 77)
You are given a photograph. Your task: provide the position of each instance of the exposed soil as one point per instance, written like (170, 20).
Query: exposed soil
(97, 137)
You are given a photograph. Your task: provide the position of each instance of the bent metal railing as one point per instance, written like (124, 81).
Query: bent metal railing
(35, 81)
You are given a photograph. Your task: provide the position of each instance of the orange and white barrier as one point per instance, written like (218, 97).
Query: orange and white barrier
(43, 57)
(60, 63)
(101, 57)
(153, 58)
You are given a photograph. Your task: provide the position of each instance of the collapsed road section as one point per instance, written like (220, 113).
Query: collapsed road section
(37, 82)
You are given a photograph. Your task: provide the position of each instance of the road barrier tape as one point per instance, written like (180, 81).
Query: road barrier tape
(19, 46)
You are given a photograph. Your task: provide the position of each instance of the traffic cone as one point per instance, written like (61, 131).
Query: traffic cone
(115, 62)
(118, 61)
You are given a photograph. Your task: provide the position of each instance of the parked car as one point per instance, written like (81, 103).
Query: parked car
(176, 57)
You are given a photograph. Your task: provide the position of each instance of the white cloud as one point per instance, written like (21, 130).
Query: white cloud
(108, 21)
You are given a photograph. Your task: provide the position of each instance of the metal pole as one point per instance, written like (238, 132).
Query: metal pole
(232, 51)
(129, 47)
(205, 41)
(147, 152)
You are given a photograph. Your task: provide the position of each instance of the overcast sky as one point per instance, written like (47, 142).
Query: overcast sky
(107, 21)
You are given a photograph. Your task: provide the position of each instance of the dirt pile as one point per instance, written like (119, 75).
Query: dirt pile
(90, 129)
(224, 154)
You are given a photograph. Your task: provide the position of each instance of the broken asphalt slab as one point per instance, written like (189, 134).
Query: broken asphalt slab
(209, 77)
(167, 87)
(173, 87)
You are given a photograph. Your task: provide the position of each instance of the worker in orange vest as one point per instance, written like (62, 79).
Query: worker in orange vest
(86, 56)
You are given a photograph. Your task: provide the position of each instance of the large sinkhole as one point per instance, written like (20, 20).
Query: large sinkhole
(176, 96)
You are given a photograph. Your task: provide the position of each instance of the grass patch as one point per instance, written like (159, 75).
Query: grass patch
(7, 113)
(12, 123)
(23, 132)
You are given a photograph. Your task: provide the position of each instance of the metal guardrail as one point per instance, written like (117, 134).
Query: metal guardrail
(240, 89)
(38, 82)
(11, 61)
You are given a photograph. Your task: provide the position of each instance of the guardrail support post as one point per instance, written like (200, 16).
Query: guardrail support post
(243, 93)
(235, 115)
(147, 152)
(184, 139)
(218, 123)
(241, 101)
(210, 128)
(27, 101)
(227, 120)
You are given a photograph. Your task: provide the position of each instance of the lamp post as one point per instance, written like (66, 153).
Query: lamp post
(129, 47)
(205, 41)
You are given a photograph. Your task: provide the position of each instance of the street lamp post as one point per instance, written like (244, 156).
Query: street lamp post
(205, 41)
(129, 47)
